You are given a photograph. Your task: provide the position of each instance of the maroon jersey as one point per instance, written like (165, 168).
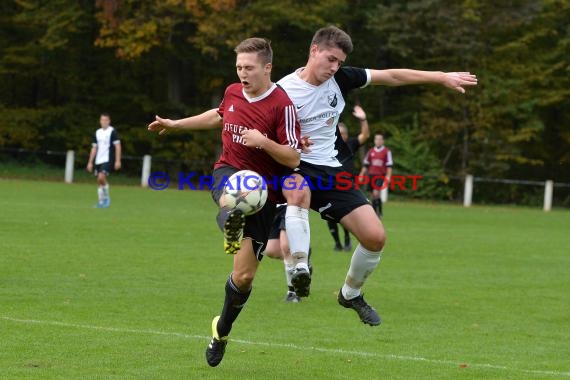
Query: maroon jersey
(378, 160)
(273, 114)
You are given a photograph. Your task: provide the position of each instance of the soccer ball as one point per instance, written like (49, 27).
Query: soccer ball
(245, 190)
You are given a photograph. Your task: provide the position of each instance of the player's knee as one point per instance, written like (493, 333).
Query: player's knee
(243, 279)
(374, 241)
(297, 197)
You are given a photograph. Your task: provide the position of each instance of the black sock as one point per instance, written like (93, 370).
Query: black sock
(333, 228)
(346, 237)
(233, 303)
(376, 205)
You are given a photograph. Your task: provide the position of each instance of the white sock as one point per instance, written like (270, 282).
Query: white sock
(106, 191)
(363, 263)
(298, 233)
(100, 193)
(289, 267)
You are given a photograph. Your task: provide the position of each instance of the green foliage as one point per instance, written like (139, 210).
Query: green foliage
(62, 62)
(414, 155)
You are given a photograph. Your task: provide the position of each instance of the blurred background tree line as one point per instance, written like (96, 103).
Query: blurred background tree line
(62, 62)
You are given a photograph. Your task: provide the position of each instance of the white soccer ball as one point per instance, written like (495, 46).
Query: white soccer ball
(245, 190)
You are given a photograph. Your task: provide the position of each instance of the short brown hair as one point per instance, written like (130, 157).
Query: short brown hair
(261, 46)
(331, 36)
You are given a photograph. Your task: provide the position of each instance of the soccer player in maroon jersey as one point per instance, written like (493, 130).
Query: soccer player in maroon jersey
(378, 165)
(260, 132)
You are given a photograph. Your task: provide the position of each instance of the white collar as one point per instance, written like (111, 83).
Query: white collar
(260, 97)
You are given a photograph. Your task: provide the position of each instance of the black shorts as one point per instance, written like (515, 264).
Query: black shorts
(278, 222)
(258, 225)
(328, 200)
(376, 181)
(105, 168)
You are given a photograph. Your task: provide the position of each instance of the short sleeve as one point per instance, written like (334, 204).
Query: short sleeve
(389, 162)
(350, 78)
(115, 137)
(221, 107)
(289, 130)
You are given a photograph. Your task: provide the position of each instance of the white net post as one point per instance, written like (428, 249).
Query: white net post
(468, 191)
(145, 170)
(69, 166)
(548, 190)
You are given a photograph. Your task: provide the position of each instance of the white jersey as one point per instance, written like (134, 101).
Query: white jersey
(319, 108)
(105, 140)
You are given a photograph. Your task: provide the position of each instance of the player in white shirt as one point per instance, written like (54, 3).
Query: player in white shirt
(106, 153)
(318, 92)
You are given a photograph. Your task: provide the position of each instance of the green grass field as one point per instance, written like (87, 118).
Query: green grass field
(129, 292)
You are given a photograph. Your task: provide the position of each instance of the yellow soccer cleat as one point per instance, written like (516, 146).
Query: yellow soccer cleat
(233, 231)
(217, 347)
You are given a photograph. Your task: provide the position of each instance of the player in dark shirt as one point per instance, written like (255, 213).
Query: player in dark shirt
(347, 161)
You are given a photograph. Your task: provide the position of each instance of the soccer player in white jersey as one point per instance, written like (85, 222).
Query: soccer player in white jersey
(318, 92)
(106, 153)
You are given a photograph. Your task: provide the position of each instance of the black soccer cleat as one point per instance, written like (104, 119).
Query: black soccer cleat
(233, 231)
(292, 297)
(301, 281)
(366, 312)
(217, 347)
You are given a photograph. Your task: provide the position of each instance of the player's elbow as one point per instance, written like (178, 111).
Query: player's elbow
(293, 160)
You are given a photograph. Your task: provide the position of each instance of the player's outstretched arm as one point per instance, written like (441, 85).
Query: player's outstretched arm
(207, 120)
(399, 77)
(283, 154)
(358, 112)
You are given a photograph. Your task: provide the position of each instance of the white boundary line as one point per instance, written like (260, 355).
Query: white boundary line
(288, 345)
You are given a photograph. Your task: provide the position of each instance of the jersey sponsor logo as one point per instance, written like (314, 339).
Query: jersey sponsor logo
(324, 115)
(231, 109)
(333, 100)
(236, 131)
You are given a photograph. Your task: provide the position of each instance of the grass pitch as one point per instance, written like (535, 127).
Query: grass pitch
(129, 292)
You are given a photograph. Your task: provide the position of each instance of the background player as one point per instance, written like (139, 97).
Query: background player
(259, 132)
(318, 91)
(106, 152)
(278, 248)
(353, 144)
(377, 162)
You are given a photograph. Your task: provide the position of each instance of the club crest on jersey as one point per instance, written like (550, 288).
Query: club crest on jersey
(333, 101)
